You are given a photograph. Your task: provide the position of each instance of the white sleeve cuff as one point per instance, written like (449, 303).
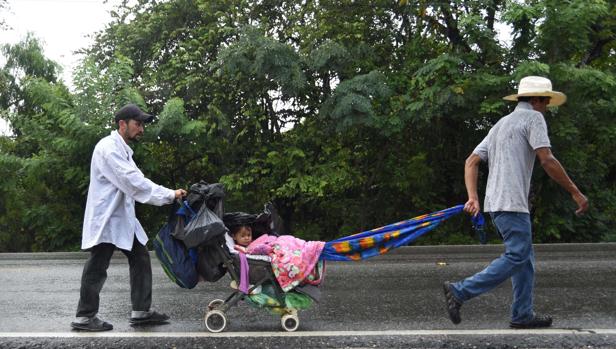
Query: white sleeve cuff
(171, 195)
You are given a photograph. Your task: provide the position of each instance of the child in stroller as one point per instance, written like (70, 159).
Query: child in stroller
(242, 237)
(253, 277)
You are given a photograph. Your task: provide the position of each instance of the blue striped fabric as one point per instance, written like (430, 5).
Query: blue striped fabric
(378, 241)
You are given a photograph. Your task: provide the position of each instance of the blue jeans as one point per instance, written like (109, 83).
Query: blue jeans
(517, 263)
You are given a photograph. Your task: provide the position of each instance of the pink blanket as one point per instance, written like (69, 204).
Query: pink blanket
(293, 259)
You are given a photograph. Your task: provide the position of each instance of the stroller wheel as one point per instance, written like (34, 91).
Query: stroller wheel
(290, 322)
(215, 304)
(215, 321)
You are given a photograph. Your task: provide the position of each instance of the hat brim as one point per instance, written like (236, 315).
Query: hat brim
(556, 98)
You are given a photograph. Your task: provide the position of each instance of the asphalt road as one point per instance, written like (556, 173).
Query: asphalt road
(389, 301)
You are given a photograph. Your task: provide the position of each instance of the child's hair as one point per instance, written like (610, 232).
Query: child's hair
(233, 230)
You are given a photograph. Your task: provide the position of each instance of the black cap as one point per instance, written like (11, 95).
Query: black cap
(131, 111)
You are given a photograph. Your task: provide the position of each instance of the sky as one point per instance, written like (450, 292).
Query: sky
(63, 26)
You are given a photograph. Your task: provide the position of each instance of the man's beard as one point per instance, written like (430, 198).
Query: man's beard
(133, 139)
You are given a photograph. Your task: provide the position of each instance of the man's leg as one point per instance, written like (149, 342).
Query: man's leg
(523, 283)
(92, 279)
(140, 268)
(141, 287)
(514, 228)
(523, 280)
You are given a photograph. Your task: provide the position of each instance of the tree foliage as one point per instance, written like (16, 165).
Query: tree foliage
(346, 114)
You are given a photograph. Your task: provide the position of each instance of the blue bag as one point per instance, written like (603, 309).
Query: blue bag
(174, 257)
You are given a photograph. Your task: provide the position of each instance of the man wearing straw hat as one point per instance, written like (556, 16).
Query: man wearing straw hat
(510, 148)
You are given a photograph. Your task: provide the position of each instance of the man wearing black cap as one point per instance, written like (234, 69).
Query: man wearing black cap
(110, 222)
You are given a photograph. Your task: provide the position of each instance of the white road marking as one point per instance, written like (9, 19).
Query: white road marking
(553, 331)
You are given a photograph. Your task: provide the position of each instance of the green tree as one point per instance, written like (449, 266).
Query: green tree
(36, 211)
(346, 114)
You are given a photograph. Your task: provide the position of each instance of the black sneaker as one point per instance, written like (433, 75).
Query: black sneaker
(538, 321)
(93, 324)
(452, 303)
(153, 319)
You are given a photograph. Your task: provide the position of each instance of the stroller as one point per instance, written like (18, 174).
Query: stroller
(215, 254)
(217, 257)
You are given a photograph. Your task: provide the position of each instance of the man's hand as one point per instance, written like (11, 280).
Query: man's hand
(472, 207)
(180, 193)
(582, 203)
(471, 172)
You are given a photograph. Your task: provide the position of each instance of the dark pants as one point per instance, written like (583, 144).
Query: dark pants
(95, 274)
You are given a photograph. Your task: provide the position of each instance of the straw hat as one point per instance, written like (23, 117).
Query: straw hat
(540, 87)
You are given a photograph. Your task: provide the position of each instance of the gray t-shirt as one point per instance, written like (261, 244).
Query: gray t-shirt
(509, 148)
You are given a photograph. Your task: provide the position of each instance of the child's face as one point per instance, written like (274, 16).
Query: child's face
(243, 236)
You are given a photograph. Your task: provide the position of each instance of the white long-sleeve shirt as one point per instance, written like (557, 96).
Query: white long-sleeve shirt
(115, 184)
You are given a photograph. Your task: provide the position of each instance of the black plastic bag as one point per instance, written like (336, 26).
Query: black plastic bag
(211, 195)
(178, 231)
(205, 226)
(266, 222)
(182, 216)
(210, 266)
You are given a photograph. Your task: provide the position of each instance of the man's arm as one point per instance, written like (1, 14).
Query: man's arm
(471, 173)
(556, 171)
(130, 180)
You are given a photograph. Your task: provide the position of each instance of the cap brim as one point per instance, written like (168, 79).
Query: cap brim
(145, 117)
(556, 98)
